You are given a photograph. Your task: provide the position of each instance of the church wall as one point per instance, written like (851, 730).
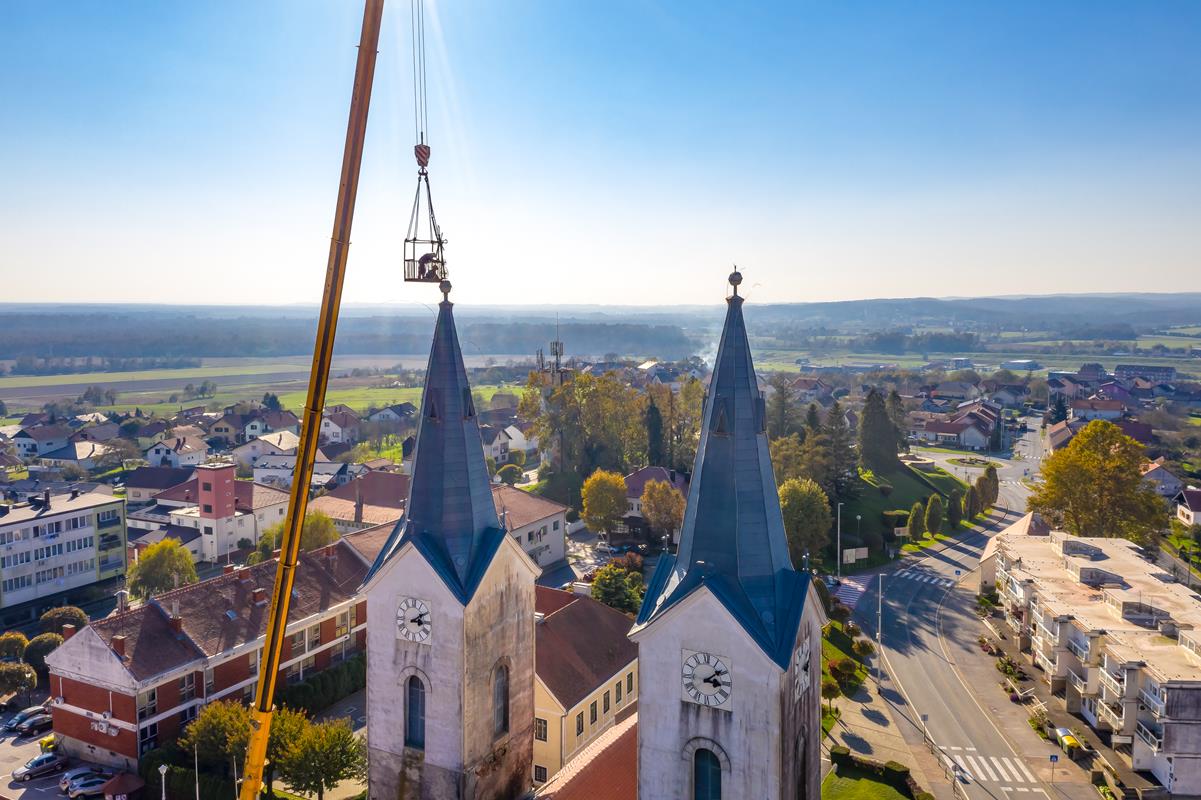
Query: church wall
(499, 624)
(748, 733)
(800, 730)
(396, 772)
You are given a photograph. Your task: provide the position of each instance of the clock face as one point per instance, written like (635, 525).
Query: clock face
(706, 679)
(801, 671)
(413, 620)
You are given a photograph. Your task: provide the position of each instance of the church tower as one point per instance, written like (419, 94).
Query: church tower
(729, 634)
(450, 616)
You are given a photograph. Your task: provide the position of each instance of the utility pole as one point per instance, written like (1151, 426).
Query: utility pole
(838, 554)
(879, 628)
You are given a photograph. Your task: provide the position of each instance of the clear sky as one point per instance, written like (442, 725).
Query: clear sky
(615, 152)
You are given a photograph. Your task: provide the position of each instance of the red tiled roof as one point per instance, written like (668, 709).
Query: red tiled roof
(342, 509)
(151, 646)
(522, 508)
(607, 769)
(580, 647)
(548, 601)
(388, 489)
(43, 433)
(1098, 405)
(947, 427)
(636, 481)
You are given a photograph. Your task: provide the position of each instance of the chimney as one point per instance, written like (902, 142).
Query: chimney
(46, 499)
(122, 601)
(243, 575)
(259, 596)
(331, 558)
(227, 568)
(118, 645)
(358, 503)
(74, 493)
(68, 631)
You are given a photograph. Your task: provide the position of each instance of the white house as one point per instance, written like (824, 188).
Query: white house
(1165, 482)
(339, 427)
(496, 443)
(39, 440)
(519, 440)
(393, 414)
(1097, 409)
(177, 451)
(1188, 506)
(280, 443)
(85, 455)
(537, 524)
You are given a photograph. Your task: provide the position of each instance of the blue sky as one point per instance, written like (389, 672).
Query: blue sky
(621, 152)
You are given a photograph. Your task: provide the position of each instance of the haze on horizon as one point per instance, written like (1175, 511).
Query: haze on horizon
(623, 154)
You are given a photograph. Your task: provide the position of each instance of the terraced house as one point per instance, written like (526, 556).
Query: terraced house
(1117, 639)
(128, 683)
(54, 545)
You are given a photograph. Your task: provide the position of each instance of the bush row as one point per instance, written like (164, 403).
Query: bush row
(181, 781)
(894, 773)
(326, 687)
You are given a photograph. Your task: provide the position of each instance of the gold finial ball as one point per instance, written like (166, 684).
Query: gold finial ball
(444, 286)
(735, 278)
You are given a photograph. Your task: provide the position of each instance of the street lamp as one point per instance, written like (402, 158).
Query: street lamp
(162, 774)
(858, 518)
(838, 554)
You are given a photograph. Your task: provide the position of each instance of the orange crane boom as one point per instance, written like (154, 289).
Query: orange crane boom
(306, 451)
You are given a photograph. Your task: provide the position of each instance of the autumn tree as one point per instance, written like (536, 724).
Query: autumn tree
(39, 647)
(219, 734)
(604, 496)
(12, 645)
(161, 566)
(662, 507)
(1095, 487)
(17, 677)
(831, 691)
(807, 519)
(317, 531)
(54, 619)
(786, 457)
(934, 515)
(326, 754)
(877, 436)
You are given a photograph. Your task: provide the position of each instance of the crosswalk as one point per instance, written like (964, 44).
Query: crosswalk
(921, 576)
(850, 591)
(990, 769)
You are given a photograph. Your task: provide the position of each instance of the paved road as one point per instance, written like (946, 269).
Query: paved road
(928, 626)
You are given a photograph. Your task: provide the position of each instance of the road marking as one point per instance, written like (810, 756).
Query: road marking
(1029, 775)
(984, 768)
(997, 762)
(962, 765)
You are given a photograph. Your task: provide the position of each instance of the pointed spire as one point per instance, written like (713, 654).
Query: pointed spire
(450, 498)
(733, 539)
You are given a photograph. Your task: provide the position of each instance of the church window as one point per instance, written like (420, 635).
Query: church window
(706, 775)
(500, 701)
(415, 713)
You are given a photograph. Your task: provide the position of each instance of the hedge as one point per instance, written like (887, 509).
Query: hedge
(895, 519)
(181, 781)
(326, 687)
(893, 773)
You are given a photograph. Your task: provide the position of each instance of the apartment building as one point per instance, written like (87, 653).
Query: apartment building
(130, 682)
(1116, 637)
(54, 544)
(586, 676)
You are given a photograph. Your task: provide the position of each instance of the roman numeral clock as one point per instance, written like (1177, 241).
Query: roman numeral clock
(706, 679)
(413, 620)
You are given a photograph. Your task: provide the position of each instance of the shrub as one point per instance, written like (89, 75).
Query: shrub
(851, 629)
(885, 488)
(840, 755)
(895, 519)
(863, 648)
(844, 667)
(823, 593)
(39, 647)
(840, 613)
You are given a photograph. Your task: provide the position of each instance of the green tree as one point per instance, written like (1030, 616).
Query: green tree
(17, 677)
(954, 509)
(662, 507)
(326, 754)
(831, 691)
(54, 619)
(162, 566)
(39, 647)
(934, 515)
(840, 454)
(604, 496)
(654, 435)
(877, 436)
(786, 457)
(917, 521)
(219, 734)
(807, 519)
(862, 648)
(12, 644)
(781, 407)
(984, 493)
(510, 474)
(813, 419)
(971, 504)
(618, 588)
(271, 402)
(1059, 409)
(899, 419)
(318, 531)
(288, 726)
(517, 457)
(1095, 487)
(993, 481)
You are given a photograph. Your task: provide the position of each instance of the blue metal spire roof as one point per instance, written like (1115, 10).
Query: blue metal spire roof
(449, 515)
(733, 539)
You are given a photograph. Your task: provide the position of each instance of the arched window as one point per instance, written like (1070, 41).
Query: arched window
(706, 775)
(500, 701)
(415, 713)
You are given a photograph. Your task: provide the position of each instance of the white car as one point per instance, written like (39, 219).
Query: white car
(89, 786)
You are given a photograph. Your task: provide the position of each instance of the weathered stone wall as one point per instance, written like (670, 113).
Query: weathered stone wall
(800, 729)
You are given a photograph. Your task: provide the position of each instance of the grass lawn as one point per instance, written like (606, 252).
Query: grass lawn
(836, 645)
(924, 542)
(907, 488)
(972, 461)
(854, 784)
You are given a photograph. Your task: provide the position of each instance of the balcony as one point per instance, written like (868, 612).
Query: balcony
(108, 523)
(1115, 683)
(1078, 683)
(1043, 661)
(1154, 703)
(1049, 632)
(1113, 713)
(1153, 737)
(1078, 650)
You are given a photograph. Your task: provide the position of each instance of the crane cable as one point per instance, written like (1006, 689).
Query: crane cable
(420, 92)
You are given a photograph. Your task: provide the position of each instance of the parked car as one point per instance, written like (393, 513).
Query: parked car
(35, 724)
(89, 786)
(39, 765)
(78, 773)
(17, 719)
